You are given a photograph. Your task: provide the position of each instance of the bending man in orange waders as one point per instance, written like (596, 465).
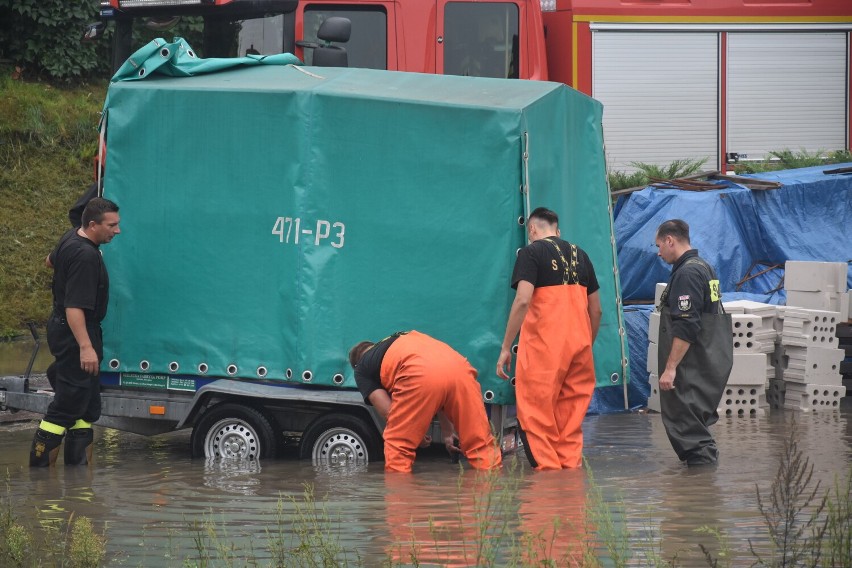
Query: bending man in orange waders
(410, 377)
(557, 310)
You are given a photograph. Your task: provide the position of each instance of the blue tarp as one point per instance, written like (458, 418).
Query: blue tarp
(733, 228)
(806, 219)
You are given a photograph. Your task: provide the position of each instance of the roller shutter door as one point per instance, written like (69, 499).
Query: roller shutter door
(786, 90)
(660, 95)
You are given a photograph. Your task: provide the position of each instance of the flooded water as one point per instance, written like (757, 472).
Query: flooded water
(151, 498)
(15, 356)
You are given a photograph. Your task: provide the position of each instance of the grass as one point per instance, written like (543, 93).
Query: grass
(48, 138)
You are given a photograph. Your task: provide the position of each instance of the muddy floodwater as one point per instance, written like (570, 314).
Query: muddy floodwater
(148, 494)
(151, 499)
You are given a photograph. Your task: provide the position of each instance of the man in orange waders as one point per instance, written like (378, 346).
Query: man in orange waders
(557, 310)
(410, 377)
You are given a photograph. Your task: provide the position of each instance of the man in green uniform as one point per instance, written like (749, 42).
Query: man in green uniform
(696, 350)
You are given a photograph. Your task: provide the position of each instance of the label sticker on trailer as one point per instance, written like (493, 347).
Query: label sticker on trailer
(156, 382)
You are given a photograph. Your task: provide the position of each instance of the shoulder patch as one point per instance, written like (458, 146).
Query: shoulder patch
(684, 303)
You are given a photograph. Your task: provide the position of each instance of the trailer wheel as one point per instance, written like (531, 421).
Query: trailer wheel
(234, 431)
(340, 438)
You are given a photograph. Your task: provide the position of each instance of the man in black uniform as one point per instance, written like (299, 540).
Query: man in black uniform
(80, 297)
(696, 350)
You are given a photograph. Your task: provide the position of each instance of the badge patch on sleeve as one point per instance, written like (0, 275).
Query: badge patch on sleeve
(683, 303)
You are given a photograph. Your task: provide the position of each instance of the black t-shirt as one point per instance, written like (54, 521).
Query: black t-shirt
(368, 371)
(693, 289)
(551, 262)
(80, 278)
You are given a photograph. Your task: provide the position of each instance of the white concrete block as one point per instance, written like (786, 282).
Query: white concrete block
(813, 397)
(654, 327)
(813, 276)
(652, 363)
(742, 400)
(828, 300)
(814, 365)
(846, 305)
(809, 328)
(654, 395)
(658, 292)
(748, 369)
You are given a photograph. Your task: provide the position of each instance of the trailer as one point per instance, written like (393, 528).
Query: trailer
(273, 215)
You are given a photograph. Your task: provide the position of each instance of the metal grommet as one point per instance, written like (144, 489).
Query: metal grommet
(174, 366)
(261, 371)
(337, 379)
(489, 395)
(165, 52)
(512, 381)
(521, 221)
(144, 365)
(515, 349)
(288, 373)
(141, 72)
(232, 369)
(114, 364)
(190, 53)
(517, 252)
(613, 378)
(202, 368)
(307, 376)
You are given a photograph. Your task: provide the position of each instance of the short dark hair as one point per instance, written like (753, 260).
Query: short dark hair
(357, 352)
(95, 209)
(676, 228)
(546, 215)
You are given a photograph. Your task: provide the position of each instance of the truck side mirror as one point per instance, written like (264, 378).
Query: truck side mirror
(332, 29)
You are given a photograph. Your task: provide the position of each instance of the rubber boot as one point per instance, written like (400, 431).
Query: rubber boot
(78, 446)
(45, 448)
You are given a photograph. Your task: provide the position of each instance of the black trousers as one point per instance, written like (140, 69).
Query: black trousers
(78, 394)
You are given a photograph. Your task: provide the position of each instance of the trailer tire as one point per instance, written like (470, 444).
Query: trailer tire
(338, 438)
(234, 431)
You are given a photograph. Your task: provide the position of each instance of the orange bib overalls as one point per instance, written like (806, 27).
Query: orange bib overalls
(422, 376)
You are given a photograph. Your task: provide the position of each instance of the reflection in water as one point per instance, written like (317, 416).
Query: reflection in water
(232, 476)
(150, 496)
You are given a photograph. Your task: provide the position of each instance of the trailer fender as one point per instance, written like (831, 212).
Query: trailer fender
(261, 394)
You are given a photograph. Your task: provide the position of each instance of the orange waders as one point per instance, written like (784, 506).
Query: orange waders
(423, 376)
(555, 375)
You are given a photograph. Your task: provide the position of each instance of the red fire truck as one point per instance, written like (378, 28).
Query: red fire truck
(721, 80)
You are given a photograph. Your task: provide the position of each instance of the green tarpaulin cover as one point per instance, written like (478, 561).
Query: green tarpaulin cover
(274, 215)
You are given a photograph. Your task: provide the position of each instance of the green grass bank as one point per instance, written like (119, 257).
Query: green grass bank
(48, 138)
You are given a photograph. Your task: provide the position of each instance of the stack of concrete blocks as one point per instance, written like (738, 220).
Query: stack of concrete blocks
(754, 336)
(776, 389)
(653, 340)
(817, 295)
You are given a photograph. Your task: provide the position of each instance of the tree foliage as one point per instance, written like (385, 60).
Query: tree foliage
(43, 38)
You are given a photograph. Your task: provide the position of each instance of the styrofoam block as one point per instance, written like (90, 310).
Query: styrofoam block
(813, 397)
(654, 395)
(654, 327)
(658, 292)
(748, 369)
(829, 300)
(653, 363)
(813, 276)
